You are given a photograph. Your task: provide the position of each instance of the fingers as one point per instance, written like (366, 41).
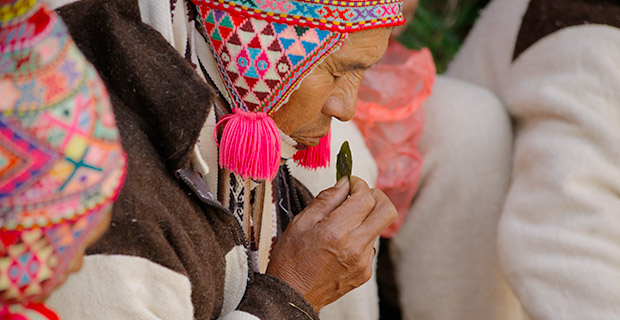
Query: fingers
(363, 215)
(354, 209)
(369, 255)
(358, 186)
(326, 202)
(373, 256)
(383, 214)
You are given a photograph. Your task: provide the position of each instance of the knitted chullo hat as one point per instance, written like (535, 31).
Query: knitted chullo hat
(263, 50)
(61, 162)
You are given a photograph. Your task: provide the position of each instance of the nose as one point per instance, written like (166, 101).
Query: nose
(342, 106)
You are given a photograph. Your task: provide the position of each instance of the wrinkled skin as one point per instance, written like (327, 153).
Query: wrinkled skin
(327, 250)
(330, 90)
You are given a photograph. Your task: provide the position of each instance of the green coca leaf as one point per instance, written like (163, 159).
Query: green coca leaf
(344, 164)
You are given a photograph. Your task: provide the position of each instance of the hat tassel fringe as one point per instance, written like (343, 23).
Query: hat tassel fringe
(249, 145)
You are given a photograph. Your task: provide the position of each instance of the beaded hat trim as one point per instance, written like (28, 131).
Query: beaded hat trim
(341, 16)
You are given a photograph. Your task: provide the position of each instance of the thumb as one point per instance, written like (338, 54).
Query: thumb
(326, 201)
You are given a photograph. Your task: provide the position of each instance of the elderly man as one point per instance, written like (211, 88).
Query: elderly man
(189, 240)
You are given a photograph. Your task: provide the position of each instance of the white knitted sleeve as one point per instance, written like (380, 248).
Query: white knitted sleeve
(559, 235)
(123, 287)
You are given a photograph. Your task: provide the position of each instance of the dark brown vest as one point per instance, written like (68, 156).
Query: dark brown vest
(544, 17)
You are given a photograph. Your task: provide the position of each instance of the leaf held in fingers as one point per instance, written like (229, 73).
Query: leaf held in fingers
(344, 163)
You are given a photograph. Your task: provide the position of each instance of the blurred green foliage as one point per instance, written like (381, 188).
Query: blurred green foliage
(441, 26)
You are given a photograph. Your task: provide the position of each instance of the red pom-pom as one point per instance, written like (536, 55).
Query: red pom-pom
(317, 156)
(25, 312)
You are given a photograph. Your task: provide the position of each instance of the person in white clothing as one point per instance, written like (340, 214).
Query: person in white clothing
(554, 67)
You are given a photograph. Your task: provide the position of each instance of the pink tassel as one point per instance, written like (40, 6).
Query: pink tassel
(317, 156)
(250, 144)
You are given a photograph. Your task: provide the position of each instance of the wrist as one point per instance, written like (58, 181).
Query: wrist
(295, 283)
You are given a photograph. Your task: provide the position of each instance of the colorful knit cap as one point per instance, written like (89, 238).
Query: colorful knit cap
(263, 50)
(61, 162)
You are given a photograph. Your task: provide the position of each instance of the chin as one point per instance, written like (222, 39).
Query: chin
(303, 143)
(310, 138)
(309, 141)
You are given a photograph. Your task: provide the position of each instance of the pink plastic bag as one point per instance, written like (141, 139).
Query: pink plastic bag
(391, 119)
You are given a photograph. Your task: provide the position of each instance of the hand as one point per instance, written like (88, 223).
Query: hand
(327, 250)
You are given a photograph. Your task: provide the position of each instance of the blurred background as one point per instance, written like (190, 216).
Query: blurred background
(441, 26)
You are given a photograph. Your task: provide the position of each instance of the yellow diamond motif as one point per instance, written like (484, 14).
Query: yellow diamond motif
(76, 148)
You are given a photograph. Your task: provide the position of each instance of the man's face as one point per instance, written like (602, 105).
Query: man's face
(330, 90)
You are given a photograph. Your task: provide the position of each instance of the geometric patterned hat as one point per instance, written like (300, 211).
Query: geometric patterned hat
(263, 50)
(61, 162)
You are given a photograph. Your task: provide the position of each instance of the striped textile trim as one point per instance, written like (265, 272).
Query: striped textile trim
(340, 16)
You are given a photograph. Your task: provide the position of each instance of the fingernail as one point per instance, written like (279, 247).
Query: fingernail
(341, 182)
